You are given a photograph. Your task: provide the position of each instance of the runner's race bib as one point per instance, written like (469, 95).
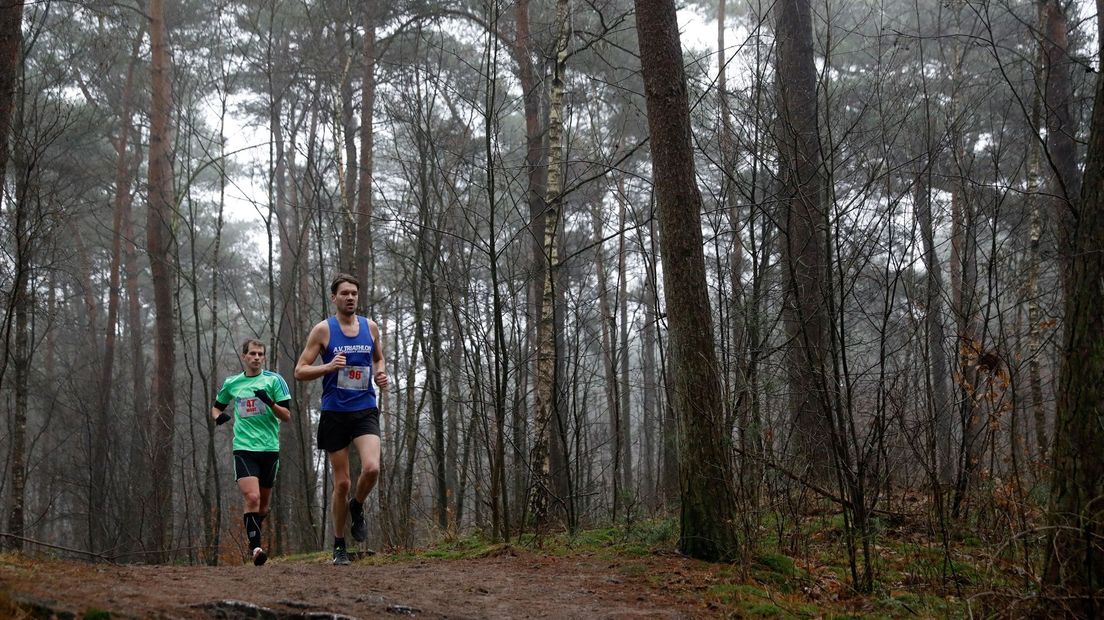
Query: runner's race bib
(249, 407)
(357, 378)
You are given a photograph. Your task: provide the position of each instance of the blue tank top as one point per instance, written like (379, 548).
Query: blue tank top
(350, 388)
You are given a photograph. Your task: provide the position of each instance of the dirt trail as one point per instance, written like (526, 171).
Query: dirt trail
(524, 585)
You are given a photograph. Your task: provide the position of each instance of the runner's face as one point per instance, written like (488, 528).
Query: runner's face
(345, 299)
(254, 358)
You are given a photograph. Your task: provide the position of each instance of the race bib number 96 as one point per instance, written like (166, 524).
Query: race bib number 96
(354, 378)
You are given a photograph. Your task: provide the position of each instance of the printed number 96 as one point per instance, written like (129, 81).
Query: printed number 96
(355, 374)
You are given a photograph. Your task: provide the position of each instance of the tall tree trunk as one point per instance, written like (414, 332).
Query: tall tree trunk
(941, 411)
(367, 146)
(560, 448)
(410, 432)
(11, 40)
(17, 353)
(1061, 125)
(803, 224)
(938, 376)
(650, 414)
(964, 303)
(523, 50)
(159, 242)
(107, 369)
(546, 352)
(297, 438)
(624, 406)
(500, 371)
(607, 319)
(708, 516)
(1076, 557)
(136, 504)
(729, 201)
(212, 490)
(1034, 257)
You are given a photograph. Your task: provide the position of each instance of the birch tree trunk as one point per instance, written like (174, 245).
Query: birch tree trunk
(542, 491)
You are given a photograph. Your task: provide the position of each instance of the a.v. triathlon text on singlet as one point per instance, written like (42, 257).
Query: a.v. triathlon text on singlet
(349, 388)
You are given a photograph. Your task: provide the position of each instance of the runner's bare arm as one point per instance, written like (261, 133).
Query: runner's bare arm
(305, 370)
(379, 364)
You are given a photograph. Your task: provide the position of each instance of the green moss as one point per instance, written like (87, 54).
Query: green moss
(729, 593)
(461, 548)
(595, 538)
(96, 614)
(656, 532)
(778, 563)
(637, 550)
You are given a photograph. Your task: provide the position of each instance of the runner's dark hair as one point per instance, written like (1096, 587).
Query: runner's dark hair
(343, 277)
(250, 342)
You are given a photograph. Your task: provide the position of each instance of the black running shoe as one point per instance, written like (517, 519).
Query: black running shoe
(341, 557)
(356, 515)
(259, 557)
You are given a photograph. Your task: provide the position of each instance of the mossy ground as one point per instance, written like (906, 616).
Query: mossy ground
(914, 577)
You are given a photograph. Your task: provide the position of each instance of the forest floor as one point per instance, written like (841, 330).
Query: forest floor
(605, 573)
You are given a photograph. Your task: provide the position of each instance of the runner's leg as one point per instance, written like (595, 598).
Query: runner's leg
(339, 465)
(250, 487)
(251, 497)
(368, 447)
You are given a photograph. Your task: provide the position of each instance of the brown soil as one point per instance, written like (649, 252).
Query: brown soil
(515, 584)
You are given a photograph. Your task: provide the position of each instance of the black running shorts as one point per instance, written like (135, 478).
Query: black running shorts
(260, 465)
(337, 429)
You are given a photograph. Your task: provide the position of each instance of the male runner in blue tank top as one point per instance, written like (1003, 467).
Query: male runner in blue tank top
(352, 357)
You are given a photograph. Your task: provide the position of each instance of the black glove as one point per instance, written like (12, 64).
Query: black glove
(222, 418)
(264, 397)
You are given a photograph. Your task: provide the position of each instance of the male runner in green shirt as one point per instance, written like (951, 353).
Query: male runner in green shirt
(259, 397)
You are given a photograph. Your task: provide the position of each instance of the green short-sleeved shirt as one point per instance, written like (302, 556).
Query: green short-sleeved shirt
(256, 427)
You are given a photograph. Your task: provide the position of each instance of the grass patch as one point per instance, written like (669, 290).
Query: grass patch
(913, 604)
(760, 609)
(732, 593)
(464, 548)
(780, 571)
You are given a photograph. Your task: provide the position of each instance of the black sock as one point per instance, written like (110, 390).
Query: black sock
(253, 529)
(355, 507)
(339, 543)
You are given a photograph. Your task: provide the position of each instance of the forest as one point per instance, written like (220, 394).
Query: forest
(780, 274)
